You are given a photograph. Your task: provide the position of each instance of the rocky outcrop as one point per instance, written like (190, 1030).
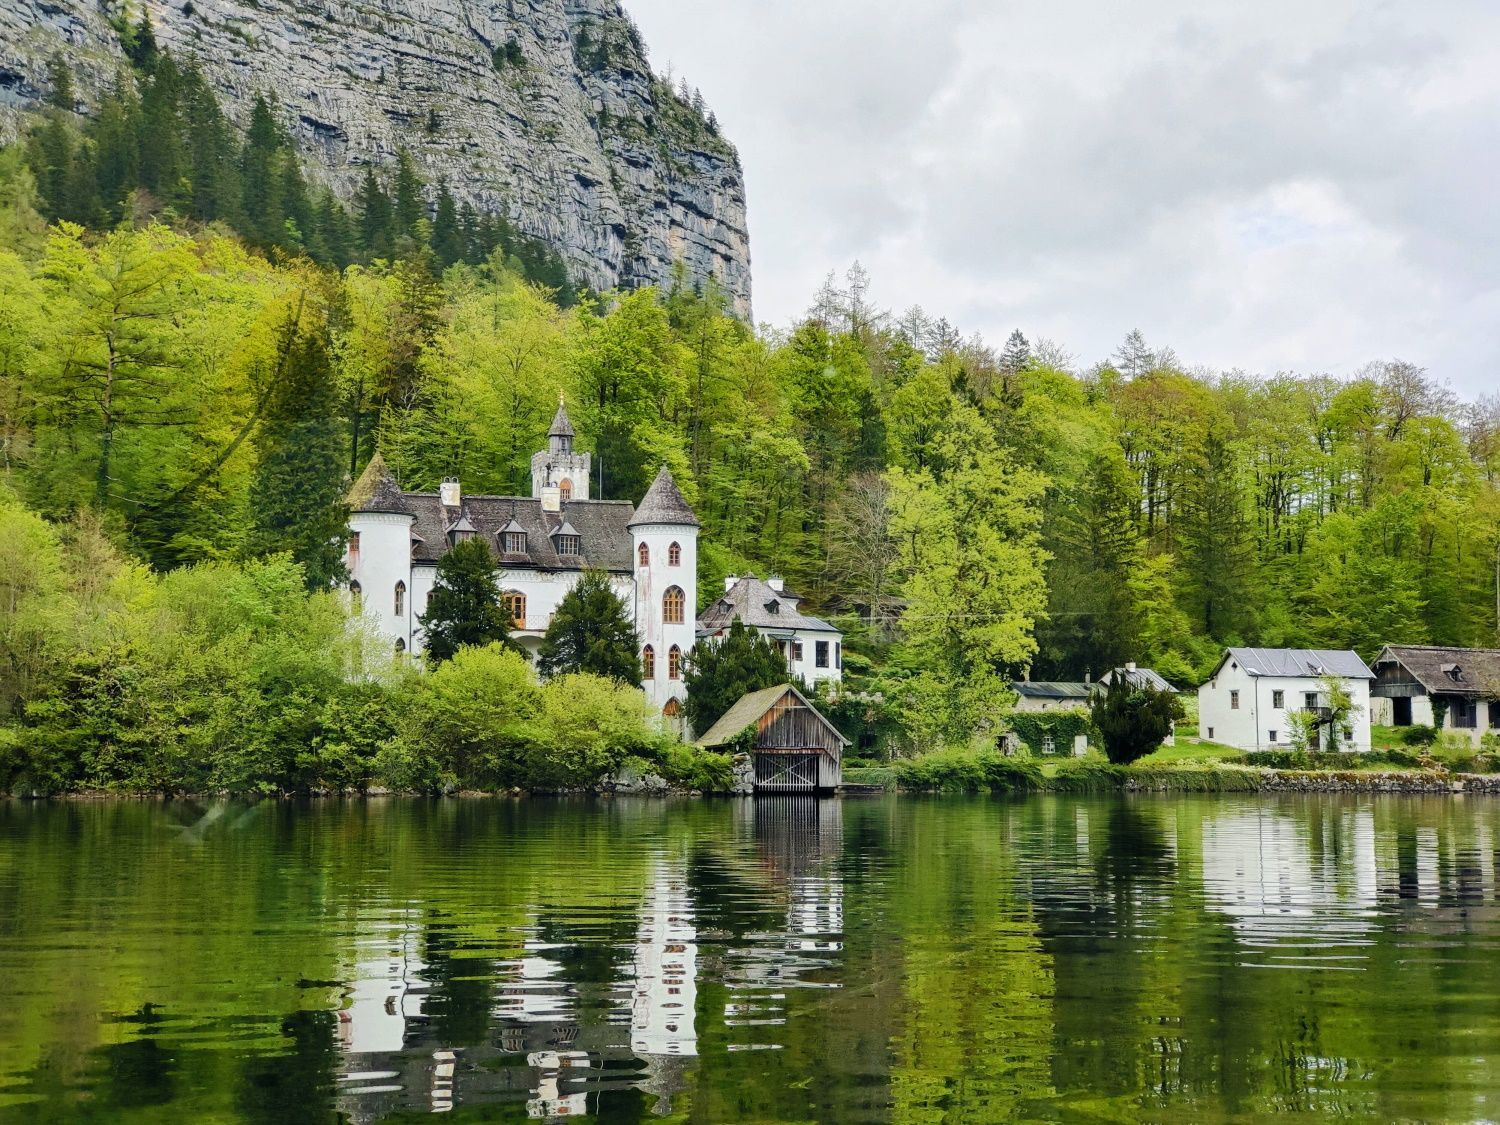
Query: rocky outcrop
(544, 111)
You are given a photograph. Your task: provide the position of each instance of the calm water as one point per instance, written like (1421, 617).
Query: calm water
(1190, 959)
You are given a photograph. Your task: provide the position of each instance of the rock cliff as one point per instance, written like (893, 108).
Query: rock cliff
(541, 110)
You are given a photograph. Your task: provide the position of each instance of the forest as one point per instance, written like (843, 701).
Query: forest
(194, 367)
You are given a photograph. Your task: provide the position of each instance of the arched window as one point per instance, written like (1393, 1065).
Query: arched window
(648, 663)
(673, 605)
(565, 490)
(356, 597)
(643, 555)
(400, 645)
(400, 599)
(672, 709)
(674, 663)
(674, 555)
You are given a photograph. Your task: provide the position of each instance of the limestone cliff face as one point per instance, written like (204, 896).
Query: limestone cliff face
(542, 110)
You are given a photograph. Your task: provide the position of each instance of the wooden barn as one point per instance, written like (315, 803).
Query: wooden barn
(795, 749)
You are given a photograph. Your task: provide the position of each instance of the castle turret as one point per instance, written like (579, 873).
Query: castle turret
(664, 534)
(379, 552)
(558, 466)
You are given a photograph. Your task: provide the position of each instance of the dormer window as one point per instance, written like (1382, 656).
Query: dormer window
(773, 607)
(515, 542)
(569, 545)
(1454, 672)
(459, 530)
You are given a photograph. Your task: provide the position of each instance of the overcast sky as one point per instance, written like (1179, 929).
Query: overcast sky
(1299, 185)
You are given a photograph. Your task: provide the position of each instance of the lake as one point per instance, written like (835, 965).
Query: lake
(886, 959)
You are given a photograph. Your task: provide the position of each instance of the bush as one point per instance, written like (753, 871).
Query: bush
(1332, 759)
(1418, 736)
(967, 771)
(692, 767)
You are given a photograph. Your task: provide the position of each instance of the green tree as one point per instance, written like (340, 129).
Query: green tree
(463, 609)
(1133, 721)
(720, 672)
(591, 632)
(296, 497)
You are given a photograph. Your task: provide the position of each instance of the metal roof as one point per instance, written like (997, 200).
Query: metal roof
(1304, 663)
(1050, 689)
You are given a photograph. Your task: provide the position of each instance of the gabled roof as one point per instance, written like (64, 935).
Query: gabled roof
(376, 490)
(664, 503)
(1139, 678)
(1051, 689)
(749, 710)
(561, 427)
(1447, 671)
(1298, 663)
(463, 524)
(565, 528)
(750, 601)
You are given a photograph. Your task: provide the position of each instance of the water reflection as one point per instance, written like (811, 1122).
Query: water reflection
(787, 959)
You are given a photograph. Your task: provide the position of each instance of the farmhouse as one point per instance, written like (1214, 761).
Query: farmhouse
(1254, 693)
(1453, 689)
(813, 649)
(543, 543)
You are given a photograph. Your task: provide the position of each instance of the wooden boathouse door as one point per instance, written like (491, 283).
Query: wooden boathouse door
(786, 773)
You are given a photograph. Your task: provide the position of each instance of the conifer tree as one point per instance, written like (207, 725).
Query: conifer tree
(718, 674)
(464, 607)
(447, 238)
(296, 497)
(591, 632)
(60, 94)
(375, 216)
(408, 206)
(1133, 721)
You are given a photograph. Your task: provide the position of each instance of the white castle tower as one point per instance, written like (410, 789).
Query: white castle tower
(665, 537)
(558, 466)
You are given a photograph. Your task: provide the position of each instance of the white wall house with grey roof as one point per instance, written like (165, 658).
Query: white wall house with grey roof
(543, 544)
(1249, 700)
(813, 649)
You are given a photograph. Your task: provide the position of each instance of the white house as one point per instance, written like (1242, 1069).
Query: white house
(1253, 692)
(543, 542)
(813, 648)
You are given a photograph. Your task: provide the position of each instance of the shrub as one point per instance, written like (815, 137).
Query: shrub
(967, 771)
(1418, 736)
(692, 767)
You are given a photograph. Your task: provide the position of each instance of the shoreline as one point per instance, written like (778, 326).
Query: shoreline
(1104, 779)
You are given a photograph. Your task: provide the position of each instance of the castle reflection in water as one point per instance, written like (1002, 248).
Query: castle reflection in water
(564, 1028)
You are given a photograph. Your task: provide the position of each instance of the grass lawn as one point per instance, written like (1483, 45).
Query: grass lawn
(1191, 748)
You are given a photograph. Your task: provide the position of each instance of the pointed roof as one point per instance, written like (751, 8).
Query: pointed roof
(463, 523)
(752, 706)
(564, 528)
(561, 427)
(376, 490)
(664, 503)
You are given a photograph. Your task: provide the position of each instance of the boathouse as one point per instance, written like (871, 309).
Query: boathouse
(793, 748)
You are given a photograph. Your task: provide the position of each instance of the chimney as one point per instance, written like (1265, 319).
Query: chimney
(730, 581)
(450, 493)
(551, 498)
(776, 583)
(1130, 666)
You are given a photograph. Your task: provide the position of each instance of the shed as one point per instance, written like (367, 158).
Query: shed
(795, 749)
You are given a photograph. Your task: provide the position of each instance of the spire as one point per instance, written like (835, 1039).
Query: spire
(376, 490)
(561, 427)
(664, 503)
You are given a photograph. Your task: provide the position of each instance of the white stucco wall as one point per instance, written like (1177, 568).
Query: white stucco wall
(382, 560)
(1250, 726)
(1422, 715)
(807, 668)
(651, 584)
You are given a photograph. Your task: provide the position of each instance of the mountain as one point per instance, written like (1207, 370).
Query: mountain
(544, 111)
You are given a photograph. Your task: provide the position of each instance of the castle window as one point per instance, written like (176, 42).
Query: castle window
(673, 606)
(354, 546)
(565, 490)
(674, 663)
(356, 597)
(515, 605)
(648, 663)
(400, 599)
(400, 645)
(643, 555)
(674, 555)
(671, 711)
(515, 542)
(569, 545)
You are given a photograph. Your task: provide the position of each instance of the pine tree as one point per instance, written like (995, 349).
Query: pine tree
(296, 497)
(264, 215)
(409, 206)
(718, 674)
(464, 607)
(375, 216)
(591, 632)
(1217, 546)
(1017, 354)
(447, 237)
(60, 94)
(1132, 721)
(1133, 358)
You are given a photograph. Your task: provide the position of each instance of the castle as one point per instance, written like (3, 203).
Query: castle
(543, 543)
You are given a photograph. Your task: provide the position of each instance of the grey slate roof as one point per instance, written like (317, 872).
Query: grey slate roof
(561, 427)
(1050, 689)
(751, 707)
(1139, 678)
(664, 503)
(1446, 671)
(1305, 662)
(602, 526)
(751, 601)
